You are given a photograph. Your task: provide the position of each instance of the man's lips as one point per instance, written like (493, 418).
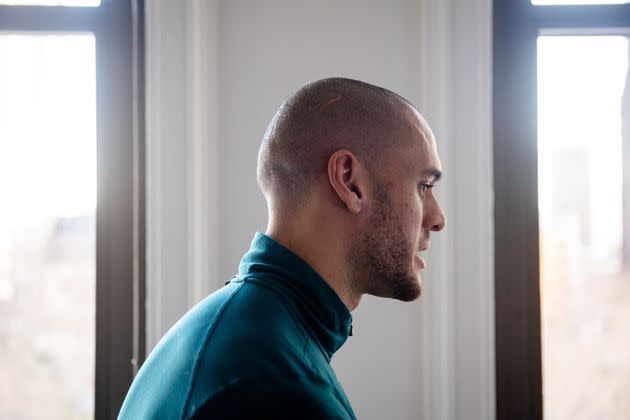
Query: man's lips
(421, 248)
(421, 261)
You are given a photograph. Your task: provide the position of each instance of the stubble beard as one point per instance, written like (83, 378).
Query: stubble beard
(382, 262)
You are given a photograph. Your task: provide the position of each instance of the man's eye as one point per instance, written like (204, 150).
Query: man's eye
(423, 188)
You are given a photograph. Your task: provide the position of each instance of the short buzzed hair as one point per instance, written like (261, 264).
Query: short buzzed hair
(320, 118)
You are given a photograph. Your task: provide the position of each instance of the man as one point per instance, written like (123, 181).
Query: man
(347, 169)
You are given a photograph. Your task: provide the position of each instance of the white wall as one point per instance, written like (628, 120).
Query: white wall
(218, 70)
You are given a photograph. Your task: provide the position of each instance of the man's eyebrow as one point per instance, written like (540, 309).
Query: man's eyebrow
(434, 173)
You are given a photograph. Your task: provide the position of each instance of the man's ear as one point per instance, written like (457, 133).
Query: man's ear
(347, 177)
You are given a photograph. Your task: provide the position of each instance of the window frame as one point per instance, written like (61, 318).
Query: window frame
(118, 28)
(516, 27)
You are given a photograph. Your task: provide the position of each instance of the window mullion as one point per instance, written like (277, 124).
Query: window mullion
(49, 18)
(581, 16)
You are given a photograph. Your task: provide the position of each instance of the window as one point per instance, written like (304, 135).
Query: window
(560, 73)
(71, 235)
(585, 293)
(563, 2)
(47, 225)
(75, 3)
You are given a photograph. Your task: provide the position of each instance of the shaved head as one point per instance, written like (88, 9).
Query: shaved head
(320, 118)
(348, 171)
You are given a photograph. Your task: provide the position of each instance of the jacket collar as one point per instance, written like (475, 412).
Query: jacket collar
(321, 307)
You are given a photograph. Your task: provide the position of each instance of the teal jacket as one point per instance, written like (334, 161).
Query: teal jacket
(259, 347)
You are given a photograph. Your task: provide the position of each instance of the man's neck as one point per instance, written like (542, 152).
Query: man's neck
(325, 255)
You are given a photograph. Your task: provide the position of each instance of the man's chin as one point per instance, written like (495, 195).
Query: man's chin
(404, 287)
(403, 294)
(409, 290)
(409, 296)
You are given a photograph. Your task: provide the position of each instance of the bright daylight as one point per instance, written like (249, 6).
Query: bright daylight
(48, 190)
(585, 295)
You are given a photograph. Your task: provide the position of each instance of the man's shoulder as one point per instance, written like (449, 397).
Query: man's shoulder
(257, 336)
(239, 330)
(255, 315)
(239, 313)
(273, 397)
(164, 380)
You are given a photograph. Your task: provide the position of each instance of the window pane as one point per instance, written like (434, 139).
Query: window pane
(47, 226)
(584, 282)
(560, 2)
(90, 3)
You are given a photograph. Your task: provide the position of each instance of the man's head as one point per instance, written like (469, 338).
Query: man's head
(347, 169)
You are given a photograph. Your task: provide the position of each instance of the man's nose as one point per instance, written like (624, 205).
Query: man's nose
(440, 222)
(434, 218)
